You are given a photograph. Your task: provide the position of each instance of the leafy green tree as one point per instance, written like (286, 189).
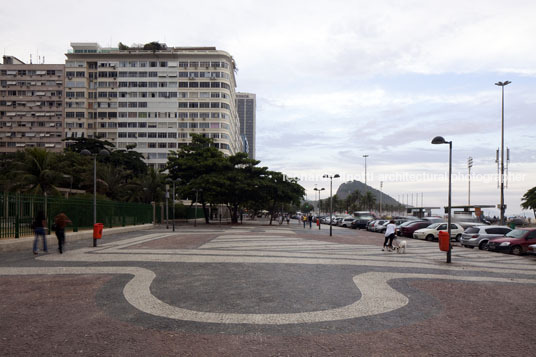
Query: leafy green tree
(281, 191)
(200, 168)
(529, 200)
(93, 145)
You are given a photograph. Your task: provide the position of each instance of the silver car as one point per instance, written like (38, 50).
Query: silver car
(479, 236)
(381, 225)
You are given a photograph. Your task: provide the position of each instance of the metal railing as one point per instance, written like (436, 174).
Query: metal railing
(17, 212)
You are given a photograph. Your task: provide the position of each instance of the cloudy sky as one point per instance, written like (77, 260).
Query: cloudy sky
(336, 80)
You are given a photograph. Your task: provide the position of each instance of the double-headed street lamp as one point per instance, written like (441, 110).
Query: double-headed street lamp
(365, 156)
(441, 140)
(502, 84)
(103, 152)
(319, 190)
(331, 200)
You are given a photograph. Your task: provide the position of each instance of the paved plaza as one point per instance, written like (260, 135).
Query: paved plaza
(260, 290)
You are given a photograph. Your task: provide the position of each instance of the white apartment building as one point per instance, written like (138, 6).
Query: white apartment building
(153, 99)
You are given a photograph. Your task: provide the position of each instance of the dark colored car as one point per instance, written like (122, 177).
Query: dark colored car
(407, 230)
(362, 221)
(516, 242)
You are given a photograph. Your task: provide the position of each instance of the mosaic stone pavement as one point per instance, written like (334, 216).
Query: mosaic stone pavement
(372, 288)
(264, 291)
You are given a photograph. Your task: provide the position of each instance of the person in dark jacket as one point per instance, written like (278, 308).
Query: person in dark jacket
(38, 226)
(61, 221)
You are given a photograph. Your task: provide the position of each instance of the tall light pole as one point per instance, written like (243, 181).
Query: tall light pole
(502, 84)
(173, 203)
(469, 165)
(195, 209)
(167, 209)
(381, 194)
(317, 189)
(103, 152)
(441, 140)
(365, 156)
(331, 200)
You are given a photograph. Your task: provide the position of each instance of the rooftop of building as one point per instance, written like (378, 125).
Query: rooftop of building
(93, 47)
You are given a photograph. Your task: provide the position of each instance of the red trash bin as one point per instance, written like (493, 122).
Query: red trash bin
(97, 230)
(444, 241)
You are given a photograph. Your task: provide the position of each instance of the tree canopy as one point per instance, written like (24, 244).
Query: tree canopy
(529, 200)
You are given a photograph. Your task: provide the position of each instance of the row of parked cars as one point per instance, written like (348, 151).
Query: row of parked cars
(469, 234)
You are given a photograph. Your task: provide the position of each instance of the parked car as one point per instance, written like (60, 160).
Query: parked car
(433, 219)
(347, 222)
(516, 242)
(338, 221)
(479, 236)
(404, 224)
(407, 231)
(532, 249)
(325, 220)
(517, 221)
(381, 225)
(432, 232)
(370, 225)
(362, 219)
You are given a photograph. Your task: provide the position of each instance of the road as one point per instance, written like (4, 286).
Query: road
(259, 290)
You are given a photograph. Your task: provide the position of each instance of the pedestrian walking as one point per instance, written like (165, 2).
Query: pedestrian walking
(310, 219)
(389, 236)
(288, 219)
(39, 223)
(60, 221)
(304, 219)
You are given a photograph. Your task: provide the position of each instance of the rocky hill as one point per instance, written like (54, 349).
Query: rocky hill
(348, 187)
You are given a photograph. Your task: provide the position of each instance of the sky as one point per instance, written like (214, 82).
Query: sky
(336, 80)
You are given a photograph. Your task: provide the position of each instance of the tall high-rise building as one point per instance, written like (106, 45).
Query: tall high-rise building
(152, 99)
(246, 104)
(31, 105)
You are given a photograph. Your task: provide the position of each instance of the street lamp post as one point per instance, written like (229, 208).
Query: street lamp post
(365, 156)
(173, 203)
(469, 165)
(381, 194)
(167, 208)
(103, 152)
(195, 209)
(502, 84)
(319, 213)
(441, 140)
(331, 200)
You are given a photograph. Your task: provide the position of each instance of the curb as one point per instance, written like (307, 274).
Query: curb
(18, 244)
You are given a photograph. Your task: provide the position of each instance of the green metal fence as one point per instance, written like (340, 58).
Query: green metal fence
(17, 212)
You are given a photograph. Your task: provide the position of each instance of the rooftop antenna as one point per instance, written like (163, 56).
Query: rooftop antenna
(507, 162)
(43, 59)
(497, 162)
(30, 58)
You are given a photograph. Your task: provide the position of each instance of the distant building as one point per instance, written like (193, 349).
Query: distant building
(246, 104)
(154, 99)
(31, 105)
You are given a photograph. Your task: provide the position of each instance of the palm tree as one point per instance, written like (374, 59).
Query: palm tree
(36, 173)
(351, 201)
(368, 200)
(529, 199)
